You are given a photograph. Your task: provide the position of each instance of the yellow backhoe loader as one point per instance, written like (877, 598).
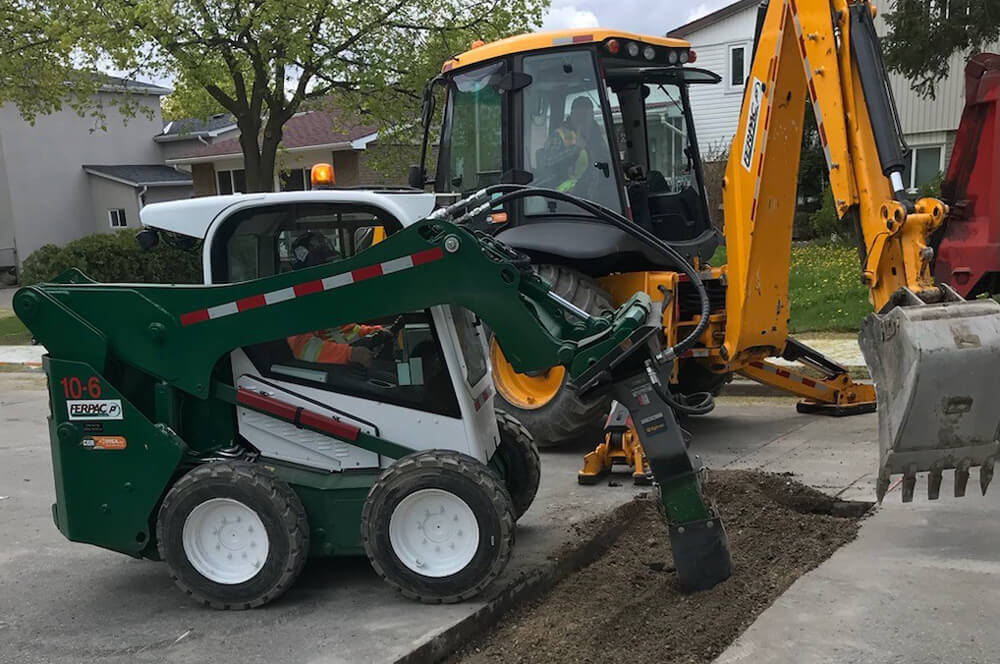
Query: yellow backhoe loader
(605, 115)
(585, 111)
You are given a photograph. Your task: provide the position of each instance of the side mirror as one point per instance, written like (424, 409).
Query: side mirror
(147, 239)
(416, 177)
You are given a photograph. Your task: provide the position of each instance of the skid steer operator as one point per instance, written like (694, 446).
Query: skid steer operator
(334, 345)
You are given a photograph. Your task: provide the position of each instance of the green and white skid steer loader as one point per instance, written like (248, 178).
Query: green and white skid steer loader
(327, 392)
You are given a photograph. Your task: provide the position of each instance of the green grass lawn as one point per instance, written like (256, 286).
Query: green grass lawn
(824, 288)
(12, 332)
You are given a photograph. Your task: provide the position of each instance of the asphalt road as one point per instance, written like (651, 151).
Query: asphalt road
(65, 602)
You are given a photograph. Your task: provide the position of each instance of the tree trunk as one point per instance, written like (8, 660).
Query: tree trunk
(269, 149)
(259, 172)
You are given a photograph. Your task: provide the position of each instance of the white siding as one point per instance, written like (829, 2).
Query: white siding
(716, 108)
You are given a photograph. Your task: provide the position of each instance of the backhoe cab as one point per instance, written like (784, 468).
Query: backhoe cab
(604, 115)
(599, 114)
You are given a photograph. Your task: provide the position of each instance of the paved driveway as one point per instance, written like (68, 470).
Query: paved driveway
(65, 602)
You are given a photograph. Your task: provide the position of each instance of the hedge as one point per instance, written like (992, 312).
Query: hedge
(113, 258)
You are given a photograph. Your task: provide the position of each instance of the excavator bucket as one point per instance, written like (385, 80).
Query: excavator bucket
(936, 369)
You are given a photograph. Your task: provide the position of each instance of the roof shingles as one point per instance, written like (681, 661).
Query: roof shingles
(307, 129)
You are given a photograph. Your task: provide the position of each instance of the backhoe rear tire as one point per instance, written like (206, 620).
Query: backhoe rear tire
(233, 535)
(546, 406)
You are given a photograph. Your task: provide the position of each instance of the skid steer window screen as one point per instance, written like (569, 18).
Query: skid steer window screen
(406, 368)
(261, 242)
(565, 138)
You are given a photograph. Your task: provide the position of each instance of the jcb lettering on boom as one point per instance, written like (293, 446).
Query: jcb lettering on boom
(753, 116)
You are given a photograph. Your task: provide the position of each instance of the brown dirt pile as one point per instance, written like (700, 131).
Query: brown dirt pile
(626, 608)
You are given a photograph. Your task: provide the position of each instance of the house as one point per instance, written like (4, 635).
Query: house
(308, 137)
(723, 41)
(64, 177)
(180, 137)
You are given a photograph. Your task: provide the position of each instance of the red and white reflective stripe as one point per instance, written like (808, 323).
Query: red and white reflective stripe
(696, 352)
(481, 400)
(310, 287)
(784, 373)
(810, 84)
(576, 39)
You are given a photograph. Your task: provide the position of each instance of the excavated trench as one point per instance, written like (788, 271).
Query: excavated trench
(625, 606)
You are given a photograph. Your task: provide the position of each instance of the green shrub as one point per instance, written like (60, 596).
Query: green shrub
(824, 224)
(113, 258)
(931, 189)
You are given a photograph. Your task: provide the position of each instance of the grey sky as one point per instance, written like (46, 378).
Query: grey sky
(642, 16)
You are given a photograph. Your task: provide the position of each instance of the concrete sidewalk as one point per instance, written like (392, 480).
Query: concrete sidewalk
(918, 586)
(91, 604)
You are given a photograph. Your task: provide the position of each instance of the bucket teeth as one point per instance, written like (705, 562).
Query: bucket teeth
(909, 484)
(961, 479)
(986, 475)
(882, 486)
(933, 484)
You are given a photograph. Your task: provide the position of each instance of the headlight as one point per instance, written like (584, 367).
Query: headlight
(649, 52)
(632, 49)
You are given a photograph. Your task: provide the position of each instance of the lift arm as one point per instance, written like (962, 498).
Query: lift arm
(931, 354)
(178, 334)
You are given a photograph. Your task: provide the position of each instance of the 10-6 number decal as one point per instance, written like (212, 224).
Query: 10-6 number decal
(74, 387)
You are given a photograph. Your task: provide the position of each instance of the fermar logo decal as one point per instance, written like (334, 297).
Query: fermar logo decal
(95, 409)
(753, 119)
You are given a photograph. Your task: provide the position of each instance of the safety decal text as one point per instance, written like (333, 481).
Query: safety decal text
(104, 443)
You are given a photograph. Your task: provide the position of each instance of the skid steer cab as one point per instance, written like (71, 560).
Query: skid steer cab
(326, 392)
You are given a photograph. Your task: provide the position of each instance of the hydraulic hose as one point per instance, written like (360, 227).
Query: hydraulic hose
(514, 192)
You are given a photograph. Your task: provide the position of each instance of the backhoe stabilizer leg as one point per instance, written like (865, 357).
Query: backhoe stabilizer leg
(697, 537)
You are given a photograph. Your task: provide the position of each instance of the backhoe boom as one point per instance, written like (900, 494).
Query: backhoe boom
(933, 413)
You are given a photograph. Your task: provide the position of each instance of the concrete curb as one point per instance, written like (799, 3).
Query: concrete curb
(526, 588)
(21, 358)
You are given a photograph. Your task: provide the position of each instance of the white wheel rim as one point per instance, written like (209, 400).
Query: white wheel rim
(434, 533)
(225, 541)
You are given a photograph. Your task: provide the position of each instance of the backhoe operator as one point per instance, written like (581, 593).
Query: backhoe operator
(571, 148)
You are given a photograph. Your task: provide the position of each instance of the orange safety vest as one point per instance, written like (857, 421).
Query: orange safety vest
(330, 346)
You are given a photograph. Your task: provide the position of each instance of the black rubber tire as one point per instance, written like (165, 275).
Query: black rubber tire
(278, 507)
(464, 477)
(693, 377)
(566, 417)
(520, 457)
